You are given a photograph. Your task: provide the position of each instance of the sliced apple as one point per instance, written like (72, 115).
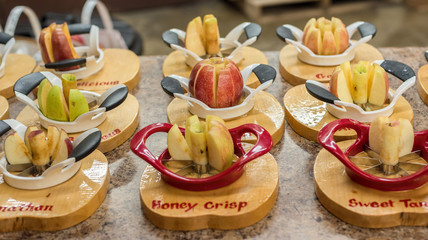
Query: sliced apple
(313, 40)
(27, 143)
(193, 41)
(63, 148)
(68, 82)
(378, 86)
(56, 106)
(339, 86)
(77, 104)
(390, 143)
(42, 94)
(407, 137)
(220, 146)
(212, 35)
(15, 150)
(53, 138)
(177, 145)
(196, 134)
(39, 148)
(359, 83)
(328, 43)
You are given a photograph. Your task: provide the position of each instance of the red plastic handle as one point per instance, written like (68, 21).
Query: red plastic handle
(326, 139)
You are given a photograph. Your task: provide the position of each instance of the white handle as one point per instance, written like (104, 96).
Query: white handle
(88, 8)
(13, 18)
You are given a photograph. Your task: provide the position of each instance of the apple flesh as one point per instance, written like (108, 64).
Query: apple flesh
(194, 40)
(177, 145)
(359, 83)
(220, 146)
(378, 86)
(42, 94)
(391, 139)
(339, 86)
(77, 104)
(212, 35)
(63, 148)
(217, 82)
(15, 150)
(56, 106)
(325, 37)
(39, 148)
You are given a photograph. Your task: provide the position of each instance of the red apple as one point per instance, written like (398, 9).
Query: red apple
(217, 82)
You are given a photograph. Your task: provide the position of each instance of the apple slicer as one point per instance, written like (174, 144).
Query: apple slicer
(6, 43)
(91, 57)
(107, 101)
(19, 175)
(341, 109)
(174, 84)
(411, 171)
(228, 176)
(229, 46)
(294, 35)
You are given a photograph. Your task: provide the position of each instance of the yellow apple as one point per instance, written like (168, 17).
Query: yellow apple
(378, 86)
(359, 83)
(177, 145)
(339, 86)
(220, 146)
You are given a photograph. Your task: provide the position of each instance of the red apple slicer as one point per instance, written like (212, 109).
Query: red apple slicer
(107, 101)
(8, 41)
(228, 176)
(174, 84)
(91, 57)
(341, 109)
(19, 175)
(364, 177)
(293, 35)
(229, 46)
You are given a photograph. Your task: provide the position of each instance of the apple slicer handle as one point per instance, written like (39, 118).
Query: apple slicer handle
(252, 30)
(171, 85)
(398, 69)
(116, 96)
(265, 73)
(170, 38)
(87, 145)
(79, 28)
(66, 63)
(4, 127)
(4, 37)
(284, 33)
(320, 93)
(139, 147)
(367, 29)
(27, 83)
(326, 139)
(263, 145)
(426, 55)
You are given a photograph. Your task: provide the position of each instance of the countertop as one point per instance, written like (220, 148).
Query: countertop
(297, 213)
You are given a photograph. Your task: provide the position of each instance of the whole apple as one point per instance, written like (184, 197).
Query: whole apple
(216, 82)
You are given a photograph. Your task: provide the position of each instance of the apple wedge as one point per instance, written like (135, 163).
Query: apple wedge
(378, 86)
(27, 143)
(359, 83)
(63, 148)
(220, 146)
(42, 94)
(77, 104)
(39, 149)
(53, 138)
(212, 35)
(339, 86)
(56, 106)
(194, 40)
(15, 150)
(177, 145)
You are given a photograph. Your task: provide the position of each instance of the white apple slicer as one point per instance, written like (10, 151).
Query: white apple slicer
(91, 57)
(294, 35)
(341, 109)
(6, 43)
(107, 101)
(174, 84)
(19, 175)
(229, 46)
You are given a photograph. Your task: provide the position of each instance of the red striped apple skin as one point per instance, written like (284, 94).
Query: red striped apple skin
(217, 82)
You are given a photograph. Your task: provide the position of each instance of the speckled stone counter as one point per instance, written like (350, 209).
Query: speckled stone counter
(297, 213)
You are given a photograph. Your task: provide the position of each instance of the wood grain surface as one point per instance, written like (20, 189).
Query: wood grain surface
(4, 108)
(16, 66)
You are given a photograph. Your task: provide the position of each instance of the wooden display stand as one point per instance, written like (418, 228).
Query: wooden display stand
(267, 112)
(175, 63)
(308, 115)
(237, 205)
(16, 66)
(57, 207)
(121, 66)
(297, 72)
(4, 108)
(362, 206)
(422, 83)
(119, 125)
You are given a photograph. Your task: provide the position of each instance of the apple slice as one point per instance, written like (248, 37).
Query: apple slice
(339, 86)
(27, 143)
(78, 104)
(68, 82)
(15, 150)
(341, 35)
(63, 148)
(194, 40)
(212, 35)
(220, 146)
(195, 134)
(346, 68)
(53, 139)
(390, 143)
(328, 42)
(378, 86)
(210, 118)
(42, 94)
(407, 137)
(375, 133)
(313, 40)
(177, 145)
(56, 106)
(359, 83)
(39, 148)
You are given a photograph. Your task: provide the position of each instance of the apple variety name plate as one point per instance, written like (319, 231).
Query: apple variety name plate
(364, 206)
(237, 205)
(4, 108)
(57, 207)
(296, 72)
(422, 82)
(308, 115)
(119, 124)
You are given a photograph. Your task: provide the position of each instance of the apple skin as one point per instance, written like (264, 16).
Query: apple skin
(15, 150)
(220, 72)
(339, 86)
(220, 146)
(378, 86)
(194, 40)
(45, 42)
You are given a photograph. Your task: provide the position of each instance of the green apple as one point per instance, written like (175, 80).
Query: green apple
(56, 107)
(77, 104)
(42, 94)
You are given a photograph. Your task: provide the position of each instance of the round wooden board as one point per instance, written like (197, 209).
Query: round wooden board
(4, 108)
(307, 115)
(422, 83)
(297, 72)
(362, 206)
(239, 204)
(267, 112)
(57, 207)
(16, 66)
(175, 63)
(121, 66)
(119, 125)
